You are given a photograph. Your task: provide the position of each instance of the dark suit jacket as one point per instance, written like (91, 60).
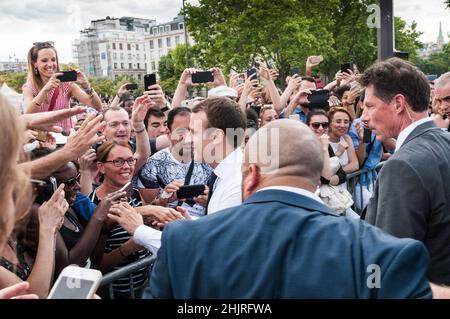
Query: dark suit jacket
(280, 244)
(412, 196)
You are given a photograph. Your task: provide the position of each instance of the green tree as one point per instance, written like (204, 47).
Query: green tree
(407, 37)
(14, 80)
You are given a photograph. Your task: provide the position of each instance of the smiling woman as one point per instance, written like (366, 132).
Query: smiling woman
(46, 91)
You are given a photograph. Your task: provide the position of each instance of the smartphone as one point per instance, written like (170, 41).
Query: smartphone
(54, 184)
(240, 81)
(202, 77)
(295, 71)
(319, 100)
(68, 76)
(76, 283)
(367, 137)
(191, 191)
(149, 80)
(250, 73)
(346, 66)
(131, 86)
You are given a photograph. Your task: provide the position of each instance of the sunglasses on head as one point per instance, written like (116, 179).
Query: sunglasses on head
(71, 181)
(316, 125)
(41, 45)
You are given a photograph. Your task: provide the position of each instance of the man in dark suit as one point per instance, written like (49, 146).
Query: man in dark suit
(283, 242)
(412, 194)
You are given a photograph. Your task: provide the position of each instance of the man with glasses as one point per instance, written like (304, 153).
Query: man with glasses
(173, 167)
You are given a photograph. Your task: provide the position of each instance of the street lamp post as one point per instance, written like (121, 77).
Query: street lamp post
(186, 41)
(386, 31)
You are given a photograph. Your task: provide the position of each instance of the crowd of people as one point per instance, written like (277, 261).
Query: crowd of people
(97, 184)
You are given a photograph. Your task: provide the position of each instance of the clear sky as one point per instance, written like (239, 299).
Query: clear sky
(24, 22)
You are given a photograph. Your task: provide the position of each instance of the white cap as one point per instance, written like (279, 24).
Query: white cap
(222, 90)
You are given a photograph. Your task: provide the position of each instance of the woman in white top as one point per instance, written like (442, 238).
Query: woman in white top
(340, 141)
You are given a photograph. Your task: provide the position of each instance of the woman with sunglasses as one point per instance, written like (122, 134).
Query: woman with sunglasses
(43, 91)
(116, 164)
(319, 123)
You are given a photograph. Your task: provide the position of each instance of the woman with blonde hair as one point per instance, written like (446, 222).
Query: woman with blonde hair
(15, 202)
(43, 91)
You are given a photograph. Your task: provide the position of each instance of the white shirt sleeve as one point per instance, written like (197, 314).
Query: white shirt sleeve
(148, 237)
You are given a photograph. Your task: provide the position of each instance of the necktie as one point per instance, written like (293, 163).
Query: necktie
(210, 184)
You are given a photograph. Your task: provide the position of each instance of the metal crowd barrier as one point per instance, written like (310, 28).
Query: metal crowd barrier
(126, 271)
(355, 186)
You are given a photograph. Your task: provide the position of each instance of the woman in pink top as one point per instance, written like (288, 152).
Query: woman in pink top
(45, 92)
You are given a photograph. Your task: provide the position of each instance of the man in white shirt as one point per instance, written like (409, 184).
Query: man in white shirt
(411, 197)
(217, 130)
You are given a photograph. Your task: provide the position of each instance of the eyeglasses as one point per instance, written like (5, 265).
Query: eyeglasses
(117, 124)
(71, 181)
(120, 162)
(41, 45)
(316, 125)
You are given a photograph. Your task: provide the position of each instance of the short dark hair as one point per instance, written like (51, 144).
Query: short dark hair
(339, 92)
(315, 112)
(153, 111)
(223, 113)
(397, 76)
(181, 111)
(309, 79)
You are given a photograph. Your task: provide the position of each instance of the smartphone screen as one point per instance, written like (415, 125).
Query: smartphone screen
(319, 100)
(250, 72)
(367, 137)
(346, 66)
(68, 76)
(203, 77)
(54, 184)
(190, 191)
(131, 86)
(149, 80)
(72, 288)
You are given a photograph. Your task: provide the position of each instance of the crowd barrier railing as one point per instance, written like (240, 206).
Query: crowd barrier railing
(358, 181)
(126, 271)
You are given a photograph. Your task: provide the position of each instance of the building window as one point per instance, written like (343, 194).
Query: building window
(152, 45)
(116, 76)
(130, 66)
(115, 56)
(160, 43)
(122, 66)
(129, 47)
(139, 77)
(177, 40)
(120, 46)
(129, 56)
(155, 30)
(114, 46)
(181, 26)
(115, 65)
(138, 66)
(138, 56)
(161, 29)
(137, 47)
(145, 56)
(168, 28)
(169, 42)
(153, 65)
(121, 56)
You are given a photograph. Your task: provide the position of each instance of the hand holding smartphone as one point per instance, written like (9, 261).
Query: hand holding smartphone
(76, 283)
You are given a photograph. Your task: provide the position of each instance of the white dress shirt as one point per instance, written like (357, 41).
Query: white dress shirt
(227, 188)
(148, 237)
(405, 133)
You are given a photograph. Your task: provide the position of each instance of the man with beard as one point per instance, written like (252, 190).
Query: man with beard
(172, 167)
